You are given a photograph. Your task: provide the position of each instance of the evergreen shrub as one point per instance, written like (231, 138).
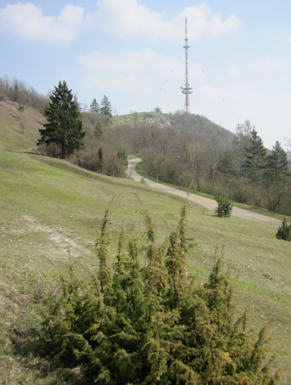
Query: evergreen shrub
(142, 319)
(284, 231)
(224, 207)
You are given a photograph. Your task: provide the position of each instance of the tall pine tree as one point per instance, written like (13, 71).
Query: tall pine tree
(276, 177)
(106, 108)
(255, 158)
(63, 126)
(276, 164)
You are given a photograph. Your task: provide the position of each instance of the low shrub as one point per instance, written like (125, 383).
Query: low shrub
(284, 231)
(52, 150)
(134, 322)
(93, 159)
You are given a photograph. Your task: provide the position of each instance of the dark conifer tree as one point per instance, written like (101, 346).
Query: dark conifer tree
(106, 108)
(255, 158)
(63, 126)
(284, 231)
(276, 164)
(100, 160)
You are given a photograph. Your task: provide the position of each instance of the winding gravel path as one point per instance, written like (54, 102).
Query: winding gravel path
(206, 203)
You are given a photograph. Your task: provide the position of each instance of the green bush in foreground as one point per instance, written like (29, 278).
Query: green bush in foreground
(224, 207)
(135, 322)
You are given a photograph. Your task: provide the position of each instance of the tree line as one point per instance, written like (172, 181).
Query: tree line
(105, 107)
(18, 92)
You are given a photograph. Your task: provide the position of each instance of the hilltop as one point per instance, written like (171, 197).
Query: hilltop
(205, 131)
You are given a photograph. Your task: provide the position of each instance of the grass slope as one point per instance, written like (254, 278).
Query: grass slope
(50, 210)
(18, 128)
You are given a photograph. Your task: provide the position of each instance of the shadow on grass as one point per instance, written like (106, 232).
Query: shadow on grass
(24, 352)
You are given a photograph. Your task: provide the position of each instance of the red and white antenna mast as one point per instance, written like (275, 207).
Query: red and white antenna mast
(186, 90)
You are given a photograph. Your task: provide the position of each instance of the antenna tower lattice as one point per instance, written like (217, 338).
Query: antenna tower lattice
(186, 89)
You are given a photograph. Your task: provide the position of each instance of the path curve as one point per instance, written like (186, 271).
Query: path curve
(206, 203)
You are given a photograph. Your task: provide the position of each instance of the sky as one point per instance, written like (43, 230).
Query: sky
(132, 51)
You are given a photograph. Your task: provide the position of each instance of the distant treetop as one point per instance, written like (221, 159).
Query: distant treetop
(106, 108)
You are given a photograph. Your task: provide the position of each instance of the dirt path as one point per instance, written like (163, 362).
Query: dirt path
(57, 242)
(206, 203)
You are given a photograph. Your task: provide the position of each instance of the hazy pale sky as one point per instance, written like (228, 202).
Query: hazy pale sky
(131, 50)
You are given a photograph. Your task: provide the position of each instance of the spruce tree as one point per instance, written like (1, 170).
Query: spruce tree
(106, 108)
(255, 158)
(276, 164)
(63, 126)
(94, 107)
(224, 205)
(276, 177)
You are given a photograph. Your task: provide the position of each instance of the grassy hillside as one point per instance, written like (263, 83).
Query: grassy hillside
(49, 213)
(18, 126)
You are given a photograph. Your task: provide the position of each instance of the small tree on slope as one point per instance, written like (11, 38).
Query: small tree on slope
(284, 231)
(224, 206)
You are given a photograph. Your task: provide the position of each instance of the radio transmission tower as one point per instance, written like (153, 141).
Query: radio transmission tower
(186, 90)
